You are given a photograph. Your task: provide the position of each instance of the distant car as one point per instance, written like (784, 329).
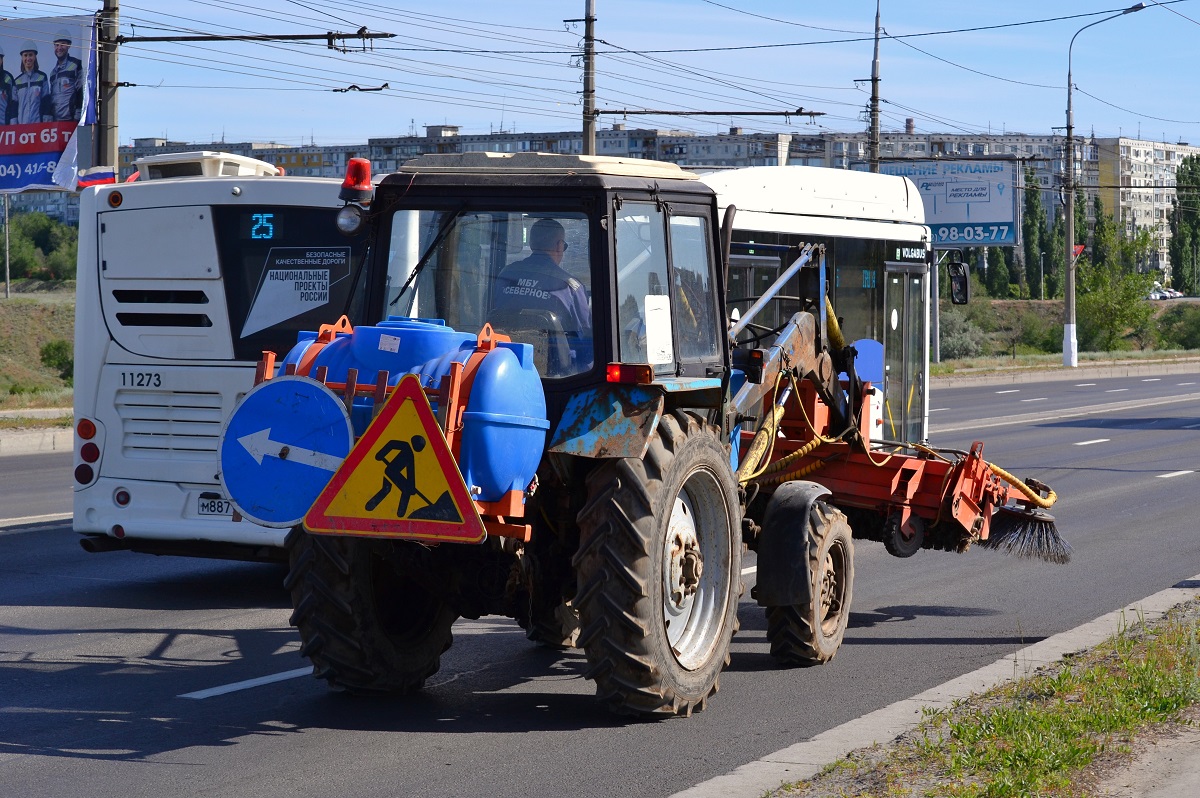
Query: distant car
(1156, 294)
(1172, 293)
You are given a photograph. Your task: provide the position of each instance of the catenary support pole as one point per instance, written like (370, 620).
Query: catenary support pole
(589, 78)
(106, 136)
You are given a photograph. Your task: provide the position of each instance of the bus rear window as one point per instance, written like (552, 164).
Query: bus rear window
(286, 269)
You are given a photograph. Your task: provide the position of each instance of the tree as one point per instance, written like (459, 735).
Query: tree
(1081, 226)
(997, 274)
(1055, 257)
(1104, 233)
(1184, 248)
(1112, 301)
(1033, 231)
(41, 247)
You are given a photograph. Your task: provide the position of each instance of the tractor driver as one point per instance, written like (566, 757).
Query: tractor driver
(540, 282)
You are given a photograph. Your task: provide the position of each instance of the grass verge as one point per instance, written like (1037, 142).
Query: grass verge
(20, 423)
(1051, 734)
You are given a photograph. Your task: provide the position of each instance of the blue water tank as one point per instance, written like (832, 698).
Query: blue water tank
(504, 425)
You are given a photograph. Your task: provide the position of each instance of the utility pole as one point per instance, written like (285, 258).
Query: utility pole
(7, 279)
(106, 139)
(589, 77)
(873, 140)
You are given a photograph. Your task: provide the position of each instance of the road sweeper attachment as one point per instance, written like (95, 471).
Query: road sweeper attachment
(598, 476)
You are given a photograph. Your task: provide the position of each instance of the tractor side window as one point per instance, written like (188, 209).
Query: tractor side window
(696, 327)
(643, 303)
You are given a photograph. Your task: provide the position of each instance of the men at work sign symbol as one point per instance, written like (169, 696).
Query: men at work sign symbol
(400, 480)
(399, 472)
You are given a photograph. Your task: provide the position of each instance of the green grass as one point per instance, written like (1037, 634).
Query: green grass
(28, 321)
(35, 423)
(1038, 735)
(1033, 362)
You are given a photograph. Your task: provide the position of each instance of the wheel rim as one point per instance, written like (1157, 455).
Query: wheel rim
(695, 570)
(833, 587)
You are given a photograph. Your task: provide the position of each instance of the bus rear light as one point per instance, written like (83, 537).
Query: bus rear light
(357, 185)
(84, 474)
(89, 452)
(121, 497)
(630, 373)
(118, 531)
(86, 429)
(115, 199)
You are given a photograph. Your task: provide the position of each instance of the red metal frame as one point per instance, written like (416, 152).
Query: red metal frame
(963, 492)
(451, 396)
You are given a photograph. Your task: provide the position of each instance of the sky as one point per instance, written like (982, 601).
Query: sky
(487, 66)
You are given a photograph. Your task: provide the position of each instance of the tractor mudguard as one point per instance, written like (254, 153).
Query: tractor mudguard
(783, 579)
(609, 421)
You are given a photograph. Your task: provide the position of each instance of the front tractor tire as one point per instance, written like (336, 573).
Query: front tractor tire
(363, 626)
(812, 632)
(659, 572)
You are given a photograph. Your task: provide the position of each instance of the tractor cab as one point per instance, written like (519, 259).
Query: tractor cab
(606, 266)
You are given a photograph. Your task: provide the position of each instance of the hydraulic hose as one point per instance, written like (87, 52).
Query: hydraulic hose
(831, 325)
(1030, 494)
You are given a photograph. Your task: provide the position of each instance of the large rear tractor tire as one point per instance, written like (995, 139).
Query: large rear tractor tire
(364, 627)
(811, 633)
(659, 570)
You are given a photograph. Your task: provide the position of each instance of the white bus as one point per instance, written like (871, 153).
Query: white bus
(878, 254)
(184, 278)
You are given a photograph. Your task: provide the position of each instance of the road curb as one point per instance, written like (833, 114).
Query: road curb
(36, 441)
(805, 760)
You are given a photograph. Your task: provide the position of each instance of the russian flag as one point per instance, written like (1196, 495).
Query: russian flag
(97, 176)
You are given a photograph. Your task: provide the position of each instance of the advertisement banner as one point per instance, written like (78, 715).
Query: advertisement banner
(46, 87)
(968, 202)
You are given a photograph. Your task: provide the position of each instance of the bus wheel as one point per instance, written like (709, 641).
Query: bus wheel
(363, 627)
(659, 570)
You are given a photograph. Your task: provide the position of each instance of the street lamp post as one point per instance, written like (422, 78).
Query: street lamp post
(1070, 343)
(1042, 274)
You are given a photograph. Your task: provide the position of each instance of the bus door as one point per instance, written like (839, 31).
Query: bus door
(905, 349)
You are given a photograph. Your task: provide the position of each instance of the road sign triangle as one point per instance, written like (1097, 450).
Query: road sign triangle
(400, 480)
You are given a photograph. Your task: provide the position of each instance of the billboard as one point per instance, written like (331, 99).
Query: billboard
(47, 86)
(968, 203)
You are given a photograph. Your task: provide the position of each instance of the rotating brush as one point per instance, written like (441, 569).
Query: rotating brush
(1027, 532)
(1025, 528)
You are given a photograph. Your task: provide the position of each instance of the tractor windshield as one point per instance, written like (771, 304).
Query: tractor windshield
(527, 274)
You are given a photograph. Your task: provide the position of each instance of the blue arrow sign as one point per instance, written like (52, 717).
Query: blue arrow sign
(280, 447)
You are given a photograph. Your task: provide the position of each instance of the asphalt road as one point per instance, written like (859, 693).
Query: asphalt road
(128, 675)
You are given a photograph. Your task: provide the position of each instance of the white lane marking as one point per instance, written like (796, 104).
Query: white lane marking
(747, 571)
(1011, 390)
(34, 519)
(937, 409)
(1116, 390)
(1039, 399)
(1174, 474)
(1085, 384)
(249, 683)
(1152, 379)
(1192, 426)
(1089, 443)
(1187, 383)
